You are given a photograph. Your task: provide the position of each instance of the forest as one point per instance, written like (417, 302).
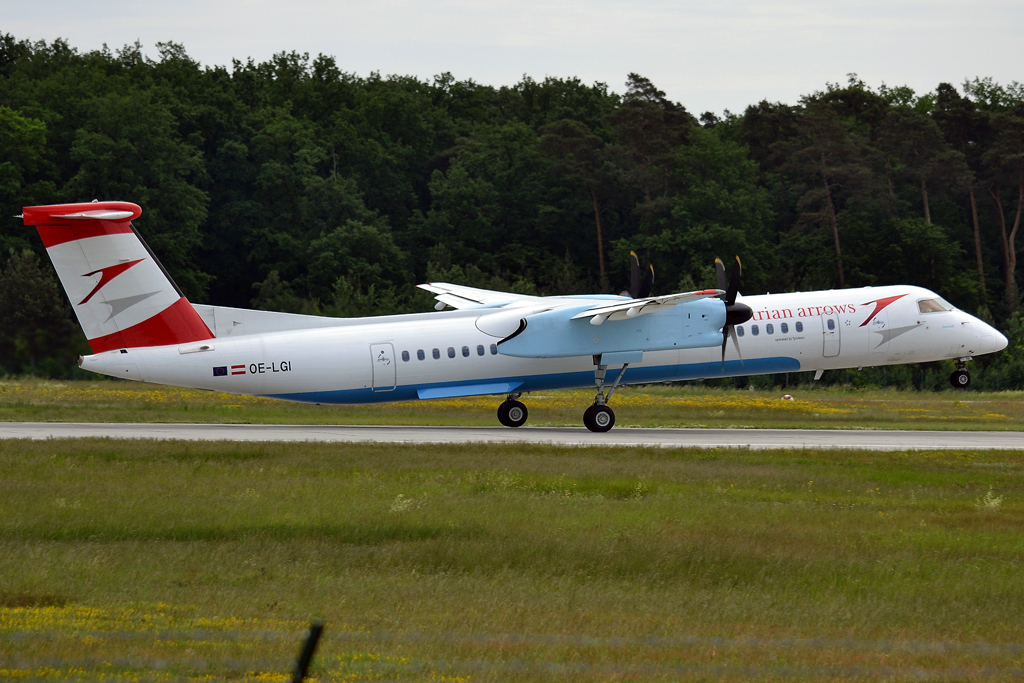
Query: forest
(294, 185)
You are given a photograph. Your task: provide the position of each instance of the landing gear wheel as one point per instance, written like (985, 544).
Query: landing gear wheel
(599, 418)
(512, 414)
(961, 379)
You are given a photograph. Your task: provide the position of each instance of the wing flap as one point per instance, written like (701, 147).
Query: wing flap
(635, 307)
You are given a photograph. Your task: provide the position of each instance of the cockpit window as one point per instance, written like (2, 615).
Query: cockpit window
(937, 305)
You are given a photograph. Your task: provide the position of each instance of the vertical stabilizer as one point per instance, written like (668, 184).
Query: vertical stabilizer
(121, 294)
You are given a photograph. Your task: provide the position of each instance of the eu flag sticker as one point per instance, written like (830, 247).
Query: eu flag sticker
(221, 371)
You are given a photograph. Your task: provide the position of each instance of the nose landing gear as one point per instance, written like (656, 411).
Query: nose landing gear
(961, 379)
(512, 413)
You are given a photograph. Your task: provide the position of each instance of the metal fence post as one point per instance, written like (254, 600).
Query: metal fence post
(306, 656)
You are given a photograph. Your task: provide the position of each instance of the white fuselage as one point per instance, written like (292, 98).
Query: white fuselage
(378, 360)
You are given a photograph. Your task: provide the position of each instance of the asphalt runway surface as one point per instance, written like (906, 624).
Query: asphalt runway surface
(562, 436)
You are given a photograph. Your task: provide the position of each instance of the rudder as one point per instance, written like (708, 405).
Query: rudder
(120, 292)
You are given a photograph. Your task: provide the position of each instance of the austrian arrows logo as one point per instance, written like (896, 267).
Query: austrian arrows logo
(879, 305)
(106, 275)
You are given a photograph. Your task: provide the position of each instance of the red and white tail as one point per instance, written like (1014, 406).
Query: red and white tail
(121, 294)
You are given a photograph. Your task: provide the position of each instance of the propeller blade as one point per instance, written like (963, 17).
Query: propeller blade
(730, 331)
(647, 284)
(720, 274)
(736, 341)
(734, 282)
(725, 340)
(634, 275)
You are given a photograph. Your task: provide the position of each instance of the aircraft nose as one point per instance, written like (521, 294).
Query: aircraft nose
(991, 340)
(1000, 341)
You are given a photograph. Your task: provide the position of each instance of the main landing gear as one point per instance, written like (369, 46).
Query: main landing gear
(961, 379)
(599, 417)
(512, 413)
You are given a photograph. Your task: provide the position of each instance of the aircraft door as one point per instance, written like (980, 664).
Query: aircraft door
(383, 358)
(830, 335)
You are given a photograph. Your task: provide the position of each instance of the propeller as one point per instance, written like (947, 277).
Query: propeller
(735, 314)
(639, 287)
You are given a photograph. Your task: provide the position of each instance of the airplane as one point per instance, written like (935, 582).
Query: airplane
(141, 327)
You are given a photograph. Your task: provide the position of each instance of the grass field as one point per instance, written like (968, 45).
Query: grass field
(651, 406)
(205, 561)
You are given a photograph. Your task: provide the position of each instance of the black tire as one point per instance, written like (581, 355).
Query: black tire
(513, 414)
(517, 414)
(599, 418)
(961, 379)
(503, 414)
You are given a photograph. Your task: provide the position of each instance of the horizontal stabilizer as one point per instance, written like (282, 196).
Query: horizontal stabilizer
(226, 321)
(458, 296)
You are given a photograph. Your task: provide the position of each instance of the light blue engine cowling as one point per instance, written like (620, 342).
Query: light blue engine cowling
(553, 334)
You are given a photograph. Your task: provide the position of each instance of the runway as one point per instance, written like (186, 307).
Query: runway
(562, 436)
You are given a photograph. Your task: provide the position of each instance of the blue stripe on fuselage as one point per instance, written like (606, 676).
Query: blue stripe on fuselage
(562, 380)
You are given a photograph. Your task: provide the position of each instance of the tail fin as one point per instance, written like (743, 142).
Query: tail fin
(121, 294)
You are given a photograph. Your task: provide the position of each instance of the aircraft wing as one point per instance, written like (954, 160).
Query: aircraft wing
(458, 296)
(620, 310)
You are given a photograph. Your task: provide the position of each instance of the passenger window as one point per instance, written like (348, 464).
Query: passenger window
(769, 329)
(799, 326)
(784, 327)
(465, 352)
(420, 355)
(451, 352)
(494, 349)
(739, 330)
(479, 349)
(437, 353)
(753, 330)
(831, 324)
(405, 356)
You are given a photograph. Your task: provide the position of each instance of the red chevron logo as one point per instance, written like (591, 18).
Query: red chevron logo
(879, 305)
(106, 275)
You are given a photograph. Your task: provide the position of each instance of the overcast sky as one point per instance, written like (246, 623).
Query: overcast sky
(708, 55)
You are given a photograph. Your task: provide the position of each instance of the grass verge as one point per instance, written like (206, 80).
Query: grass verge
(205, 561)
(651, 406)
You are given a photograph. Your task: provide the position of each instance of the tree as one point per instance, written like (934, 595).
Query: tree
(364, 255)
(921, 252)
(464, 212)
(23, 141)
(855, 103)
(539, 104)
(718, 210)
(649, 130)
(1006, 160)
(962, 125)
(917, 144)
(762, 128)
(830, 162)
(37, 322)
(581, 156)
(128, 148)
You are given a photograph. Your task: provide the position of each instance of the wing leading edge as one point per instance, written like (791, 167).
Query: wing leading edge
(634, 307)
(458, 296)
